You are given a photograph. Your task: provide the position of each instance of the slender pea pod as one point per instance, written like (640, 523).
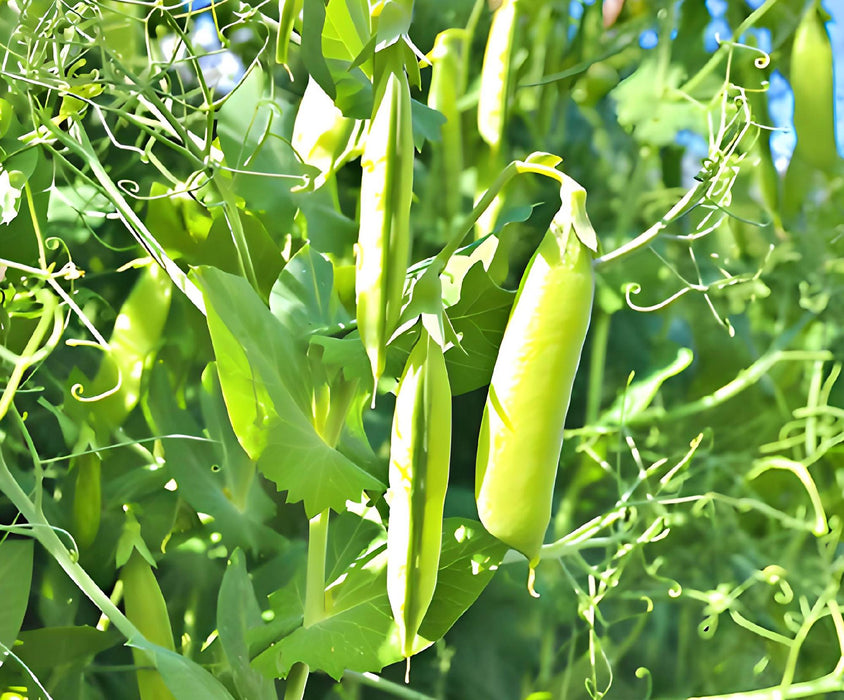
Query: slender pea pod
(146, 609)
(420, 450)
(386, 189)
(495, 74)
(522, 427)
(446, 82)
(812, 83)
(87, 499)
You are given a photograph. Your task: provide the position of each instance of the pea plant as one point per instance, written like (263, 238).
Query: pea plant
(428, 350)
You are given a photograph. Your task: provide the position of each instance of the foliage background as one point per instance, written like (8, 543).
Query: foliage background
(672, 571)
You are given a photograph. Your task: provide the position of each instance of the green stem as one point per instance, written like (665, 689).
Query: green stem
(76, 140)
(297, 679)
(397, 690)
(235, 223)
(688, 202)
(315, 576)
(31, 354)
(744, 379)
(516, 167)
(45, 533)
(816, 688)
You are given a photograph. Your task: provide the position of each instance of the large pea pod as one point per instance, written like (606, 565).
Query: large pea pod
(495, 74)
(522, 427)
(385, 195)
(812, 83)
(420, 449)
(146, 609)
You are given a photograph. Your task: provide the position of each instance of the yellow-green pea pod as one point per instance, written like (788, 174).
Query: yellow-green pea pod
(420, 449)
(812, 83)
(495, 74)
(87, 499)
(386, 190)
(446, 84)
(145, 607)
(522, 427)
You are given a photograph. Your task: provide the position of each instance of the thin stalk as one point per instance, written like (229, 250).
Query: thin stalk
(686, 204)
(81, 145)
(724, 47)
(235, 223)
(744, 380)
(397, 690)
(31, 354)
(46, 535)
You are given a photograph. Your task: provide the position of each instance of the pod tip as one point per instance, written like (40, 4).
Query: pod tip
(532, 580)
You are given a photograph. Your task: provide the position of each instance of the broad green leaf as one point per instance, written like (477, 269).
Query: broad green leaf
(237, 611)
(46, 648)
(363, 636)
(265, 382)
(184, 678)
(350, 536)
(638, 396)
(216, 492)
(479, 317)
(15, 580)
(313, 22)
(346, 29)
(303, 298)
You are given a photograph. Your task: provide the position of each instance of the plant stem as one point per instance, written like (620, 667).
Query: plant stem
(395, 689)
(45, 533)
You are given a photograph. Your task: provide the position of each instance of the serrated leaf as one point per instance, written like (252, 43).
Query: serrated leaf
(364, 637)
(479, 317)
(265, 385)
(303, 298)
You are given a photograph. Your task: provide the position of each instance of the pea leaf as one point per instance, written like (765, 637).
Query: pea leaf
(237, 611)
(361, 635)
(15, 581)
(303, 298)
(231, 494)
(480, 316)
(266, 387)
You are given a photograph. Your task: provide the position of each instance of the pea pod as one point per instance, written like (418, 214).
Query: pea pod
(146, 609)
(445, 91)
(87, 499)
(495, 74)
(522, 427)
(812, 83)
(385, 195)
(420, 450)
